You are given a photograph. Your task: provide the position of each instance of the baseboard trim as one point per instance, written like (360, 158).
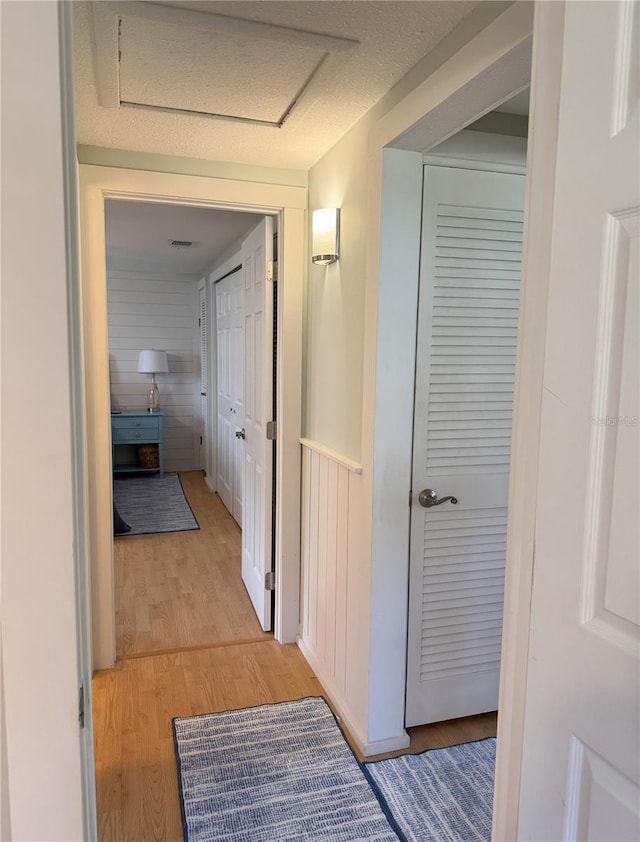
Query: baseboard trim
(338, 702)
(391, 744)
(209, 484)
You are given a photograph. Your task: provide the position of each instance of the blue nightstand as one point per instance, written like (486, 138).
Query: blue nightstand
(129, 429)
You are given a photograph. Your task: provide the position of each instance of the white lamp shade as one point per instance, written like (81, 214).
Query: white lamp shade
(153, 362)
(326, 235)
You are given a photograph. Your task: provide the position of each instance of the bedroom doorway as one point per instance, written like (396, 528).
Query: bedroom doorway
(287, 204)
(177, 554)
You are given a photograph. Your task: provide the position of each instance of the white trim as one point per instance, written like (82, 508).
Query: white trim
(347, 463)
(398, 251)
(470, 164)
(96, 184)
(366, 747)
(489, 70)
(484, 151)
(78, 438)
(523, 483)
(228, 266)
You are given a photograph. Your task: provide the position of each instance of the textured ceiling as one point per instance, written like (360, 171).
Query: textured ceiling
(138, 235)
(312, 73)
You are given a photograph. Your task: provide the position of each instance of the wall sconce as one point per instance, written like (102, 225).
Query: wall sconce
(325, 228)
(153, 362)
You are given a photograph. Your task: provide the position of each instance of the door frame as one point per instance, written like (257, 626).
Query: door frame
(498, 63)
(289, 204)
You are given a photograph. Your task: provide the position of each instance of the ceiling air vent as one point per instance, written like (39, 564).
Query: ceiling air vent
(181, 244)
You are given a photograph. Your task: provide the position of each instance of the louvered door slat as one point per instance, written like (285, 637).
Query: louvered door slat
(467, 336)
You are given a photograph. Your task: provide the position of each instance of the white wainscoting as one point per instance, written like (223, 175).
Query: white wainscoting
(329, 483)
(157, 311)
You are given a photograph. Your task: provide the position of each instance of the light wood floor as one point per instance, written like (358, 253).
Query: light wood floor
(178, 590)
(133, 704)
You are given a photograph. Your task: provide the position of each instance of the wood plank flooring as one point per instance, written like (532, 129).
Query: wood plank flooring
(180, 590)
(133, 704)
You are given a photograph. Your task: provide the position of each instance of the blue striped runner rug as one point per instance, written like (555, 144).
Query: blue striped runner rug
(274, 772)
(440, 795)
(285, 772)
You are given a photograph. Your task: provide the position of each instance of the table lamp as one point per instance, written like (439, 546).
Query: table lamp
(153, 362)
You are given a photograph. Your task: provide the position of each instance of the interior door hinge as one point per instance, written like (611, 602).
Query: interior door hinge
(272, 430)
(272, 270)
(81, 706)
(270, 581)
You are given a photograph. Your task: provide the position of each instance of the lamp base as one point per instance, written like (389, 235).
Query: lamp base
(153, 398)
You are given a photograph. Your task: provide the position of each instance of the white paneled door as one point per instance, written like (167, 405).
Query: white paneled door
(258, 408)
(203, 324)
(467, 331)
(580, 777)
(230, 397)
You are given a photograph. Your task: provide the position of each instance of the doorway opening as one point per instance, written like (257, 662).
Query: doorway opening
(176, 585)
(287, 204)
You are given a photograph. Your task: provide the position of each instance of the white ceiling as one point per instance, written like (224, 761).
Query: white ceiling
(290, 77)
(138, 235)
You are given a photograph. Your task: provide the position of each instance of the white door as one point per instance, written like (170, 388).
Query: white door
(581, 750)
(258, 394)
(467, 330)
(230, 397)
(204, 372)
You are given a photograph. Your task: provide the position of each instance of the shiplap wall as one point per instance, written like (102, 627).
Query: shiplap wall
(332, 584)
(157, 311)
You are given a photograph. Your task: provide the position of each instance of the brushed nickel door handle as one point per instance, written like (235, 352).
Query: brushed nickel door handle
(429, 498)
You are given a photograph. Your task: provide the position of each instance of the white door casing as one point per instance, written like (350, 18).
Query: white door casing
(230, 390)
(258, 401)
(467, 332)
(580, 775)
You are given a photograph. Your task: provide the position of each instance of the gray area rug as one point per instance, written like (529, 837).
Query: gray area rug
(441, 795)
(274, 772)
(153, 504)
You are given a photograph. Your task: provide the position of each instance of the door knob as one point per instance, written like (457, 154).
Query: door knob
(428, 498)
(240, 434)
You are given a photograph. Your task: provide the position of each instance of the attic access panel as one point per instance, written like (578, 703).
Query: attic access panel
(164, 58)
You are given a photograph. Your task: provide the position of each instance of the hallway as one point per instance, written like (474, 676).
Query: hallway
(189, 643)
(182, 590)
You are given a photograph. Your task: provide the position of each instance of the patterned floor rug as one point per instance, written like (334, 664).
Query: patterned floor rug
(442, 795)
(274, 772)
(153, 504)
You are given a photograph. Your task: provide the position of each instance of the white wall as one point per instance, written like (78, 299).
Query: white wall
(39, 654)
(344, 370)
(336, 293)
(158, 311)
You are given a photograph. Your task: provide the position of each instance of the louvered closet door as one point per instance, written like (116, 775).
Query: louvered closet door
(468, 318)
